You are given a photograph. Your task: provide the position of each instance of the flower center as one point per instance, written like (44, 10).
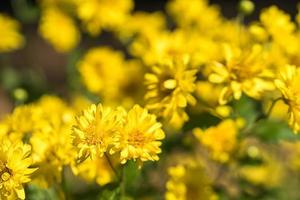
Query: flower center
(137, 139)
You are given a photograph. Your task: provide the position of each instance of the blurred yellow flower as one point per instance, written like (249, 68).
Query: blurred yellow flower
(208, 93)
(102, 71)
(15, 161)
(188, 181)
(208, 19)
(103, 14)
(94, 170)
(169, 90)
(52, 147)
(95, 130)
(139, 137)
(220, 140)
(59, 29)
(10, 36)
(288, 84)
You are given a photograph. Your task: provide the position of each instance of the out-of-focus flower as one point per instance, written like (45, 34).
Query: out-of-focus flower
(24, 121)
(139, 138)
(106, 73)
(52, 144)
(94, 170)
(242, 72)
(102, 71)
(170, 86)
(103, 14)
(95, 131)
(208, 94)
(220, 140)
(10, 36)
(288, 84)
(280, 27)
(59, 29)
(15, 161)
(209, 17)
(135, 25)
(188, 181)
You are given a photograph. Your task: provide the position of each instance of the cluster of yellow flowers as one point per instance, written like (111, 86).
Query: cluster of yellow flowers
(170, 72)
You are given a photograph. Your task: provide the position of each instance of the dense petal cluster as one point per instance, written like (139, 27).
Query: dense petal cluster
(288, 84)
(15, 162)
(135, 134)
(169, 90)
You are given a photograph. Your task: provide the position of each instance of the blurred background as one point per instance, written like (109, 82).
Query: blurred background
(45, 70)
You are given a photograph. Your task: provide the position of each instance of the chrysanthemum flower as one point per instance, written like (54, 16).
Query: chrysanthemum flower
(139, 138)
(95, 131)
(64, 38)
(10, 37)
(15, 161)
(288, 83)
(241, 72)
(169, 90)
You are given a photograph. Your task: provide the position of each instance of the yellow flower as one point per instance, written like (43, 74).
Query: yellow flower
(10, 37)
(221, 140)
(15, 161)
(59, 29)
(103, 14)
(52, 144)
(136, 25)
(242, 72)
(176, 188)
(188, 181)
(94, 170)
(95, 131)
(288, 84)
(102, 71)
(169, 89)
(107, 74)
(22, 122)
(208, 19)
(281, 29)
(208, 94)
(139, 137)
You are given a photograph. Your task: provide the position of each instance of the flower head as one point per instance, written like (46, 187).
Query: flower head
(103, 14)
(288, 83)
(15, 161)
(10, 37)
(95, 131)
(241, 72)
(169, 90)
(221, 140)
(139, 138)
(64, 38)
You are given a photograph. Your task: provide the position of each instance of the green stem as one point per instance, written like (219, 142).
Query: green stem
(272, 106)
(122, 183)
(64, 186)
(112, 167)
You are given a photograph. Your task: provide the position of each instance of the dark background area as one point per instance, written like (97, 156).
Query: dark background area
(228, 7)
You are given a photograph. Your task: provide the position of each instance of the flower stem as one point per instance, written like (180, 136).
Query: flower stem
(112, 167)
